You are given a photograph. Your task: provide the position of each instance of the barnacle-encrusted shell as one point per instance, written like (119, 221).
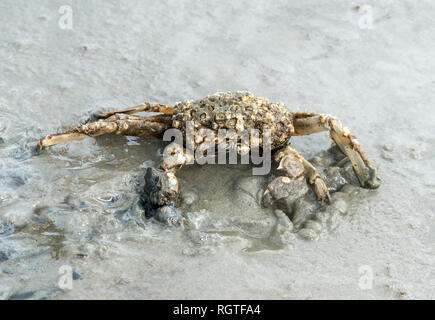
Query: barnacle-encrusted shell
(238, 111)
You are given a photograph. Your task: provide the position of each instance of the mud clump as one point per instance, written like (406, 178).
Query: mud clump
(236, 207)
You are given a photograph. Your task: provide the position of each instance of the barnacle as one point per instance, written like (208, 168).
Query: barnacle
(236, 110)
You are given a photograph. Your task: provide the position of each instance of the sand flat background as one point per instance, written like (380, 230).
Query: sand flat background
(76, 204)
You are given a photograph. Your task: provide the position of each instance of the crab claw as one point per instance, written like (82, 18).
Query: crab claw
(161, 188)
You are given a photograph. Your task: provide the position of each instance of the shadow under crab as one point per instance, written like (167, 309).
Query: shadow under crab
(231, 204)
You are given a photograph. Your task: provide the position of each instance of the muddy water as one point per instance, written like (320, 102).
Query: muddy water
(79, 204)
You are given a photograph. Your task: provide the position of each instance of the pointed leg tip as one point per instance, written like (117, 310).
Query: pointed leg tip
(374, 181)
(321, 191)
(39, 147)
(325, 201)
(324, 198)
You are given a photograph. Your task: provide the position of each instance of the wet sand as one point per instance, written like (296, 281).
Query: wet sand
(79, 204)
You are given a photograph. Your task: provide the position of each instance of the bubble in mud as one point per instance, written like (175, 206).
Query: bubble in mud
(387, 152)
(313, 225)
(308, 234)
(188, 197)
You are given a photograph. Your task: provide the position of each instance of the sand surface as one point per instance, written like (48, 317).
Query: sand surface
(77, 204)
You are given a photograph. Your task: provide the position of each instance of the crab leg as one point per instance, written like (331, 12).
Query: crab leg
(144, 107)
(143, 127)
(308, 123)
(296, 167)
(161, 187)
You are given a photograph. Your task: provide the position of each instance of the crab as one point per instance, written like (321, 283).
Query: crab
(226, 110)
